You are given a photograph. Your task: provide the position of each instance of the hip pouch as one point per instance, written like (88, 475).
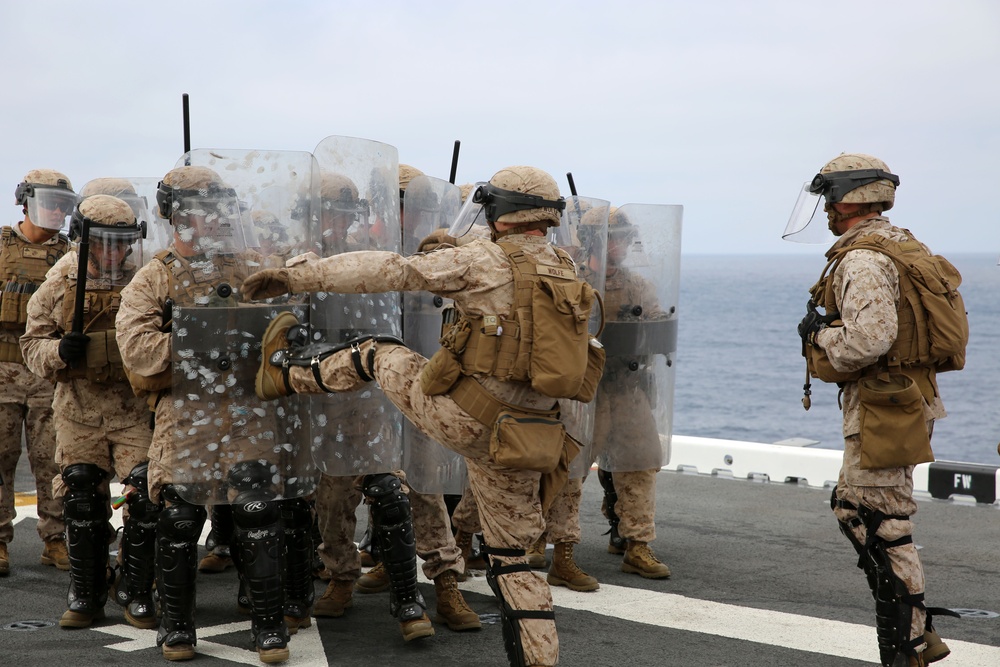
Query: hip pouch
(525, 441)
(893, 426)
(440, 373)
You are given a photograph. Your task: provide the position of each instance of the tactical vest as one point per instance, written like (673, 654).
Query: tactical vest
(546, 343)
(23, 266)
(194, 286)
(910, 354)
(103, 363)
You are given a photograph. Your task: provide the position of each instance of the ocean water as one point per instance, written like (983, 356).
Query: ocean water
(740, 369)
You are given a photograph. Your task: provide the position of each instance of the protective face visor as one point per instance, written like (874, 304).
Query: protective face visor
(49, 206)
(625, 246)
(115, 253)
(208, 222)
(340, 219)
(488, 203)
(806, 224)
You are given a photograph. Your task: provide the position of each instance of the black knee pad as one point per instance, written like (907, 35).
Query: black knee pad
(181, 521)
(83, 501)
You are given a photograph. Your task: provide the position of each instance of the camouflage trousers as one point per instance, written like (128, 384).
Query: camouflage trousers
(890, 491)
(116, 452)
(337, 498)
(26, 406)
(466, 515)
(508, 499)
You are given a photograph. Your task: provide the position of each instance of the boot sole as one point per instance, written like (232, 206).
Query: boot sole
(78, 620)
(419, 632)
(45, 560)
(174, 653)
(278, 327)
(631, 569)
(931, 655)
(556, 581)
(459, 627)
(273, 655)
(141, 623)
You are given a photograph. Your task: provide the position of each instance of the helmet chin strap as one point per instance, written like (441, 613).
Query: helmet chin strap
(834, 216)
(539, 225)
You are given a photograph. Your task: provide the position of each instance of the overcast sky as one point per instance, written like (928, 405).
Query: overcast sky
(726, 107)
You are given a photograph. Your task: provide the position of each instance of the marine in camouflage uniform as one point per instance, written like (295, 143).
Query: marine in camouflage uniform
(102, 428)
(27, 251)
(193, 265)
(479, 278)
(873, 506)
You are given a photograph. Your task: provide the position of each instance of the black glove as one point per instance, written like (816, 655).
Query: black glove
(168, 315)
(810, 324)
(73, 347)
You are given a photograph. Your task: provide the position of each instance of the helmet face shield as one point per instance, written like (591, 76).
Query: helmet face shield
(114, 254)
(804, 224)
(49, 206)
(472, 212)
(208, 221)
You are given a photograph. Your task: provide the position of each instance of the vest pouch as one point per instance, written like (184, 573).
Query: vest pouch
(560, 311)
(440, 373)
(525, 441)
(10, 309)
(596, 356)
(821, 368)
(893, 426)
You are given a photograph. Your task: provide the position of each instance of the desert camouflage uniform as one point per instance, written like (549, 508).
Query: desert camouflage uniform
(103, 424)
(26, 403)
(866, 288)
(478, 277)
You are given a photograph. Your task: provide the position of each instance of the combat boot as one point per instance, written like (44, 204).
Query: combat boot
(464, 542)
(337, 598)
(4, 560)
(216, 560)
(375, 580)
(936, 649)
(452, 608)
(55, 554)
(536, 555)
(565, 571)
(640, 559)
(272, 380)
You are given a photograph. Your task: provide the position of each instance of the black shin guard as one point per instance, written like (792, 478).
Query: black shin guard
(177, 531)
(508, 615)
(85, 513)
(135, 587)
(894, 604)
(393, 532)
(864, 562)
(260, 544)
(299, 592)
(607, 481)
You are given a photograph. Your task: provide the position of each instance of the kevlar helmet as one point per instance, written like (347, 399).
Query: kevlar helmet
(519, 195)
(342, 211)
(849, 178)
(113, 237)
(124, 190)
(48, 197)
(406, 174)
(203, 210)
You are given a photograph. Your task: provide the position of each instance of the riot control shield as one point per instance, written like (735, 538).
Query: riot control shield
(635, 398)
(583, 233)
(227, 440)
(360, 432)
(430, 204)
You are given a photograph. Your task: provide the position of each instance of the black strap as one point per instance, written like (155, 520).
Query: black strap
(366, 374)
(314, 365)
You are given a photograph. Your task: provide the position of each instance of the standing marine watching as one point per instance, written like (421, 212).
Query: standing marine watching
(872, 340)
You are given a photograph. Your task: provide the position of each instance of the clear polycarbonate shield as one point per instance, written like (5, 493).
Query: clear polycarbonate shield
(225, 434)
(583, 234)
(808, 222)
(227, 440)
(635, 399)
(359, 432)
(50, 206)
(430, 204)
